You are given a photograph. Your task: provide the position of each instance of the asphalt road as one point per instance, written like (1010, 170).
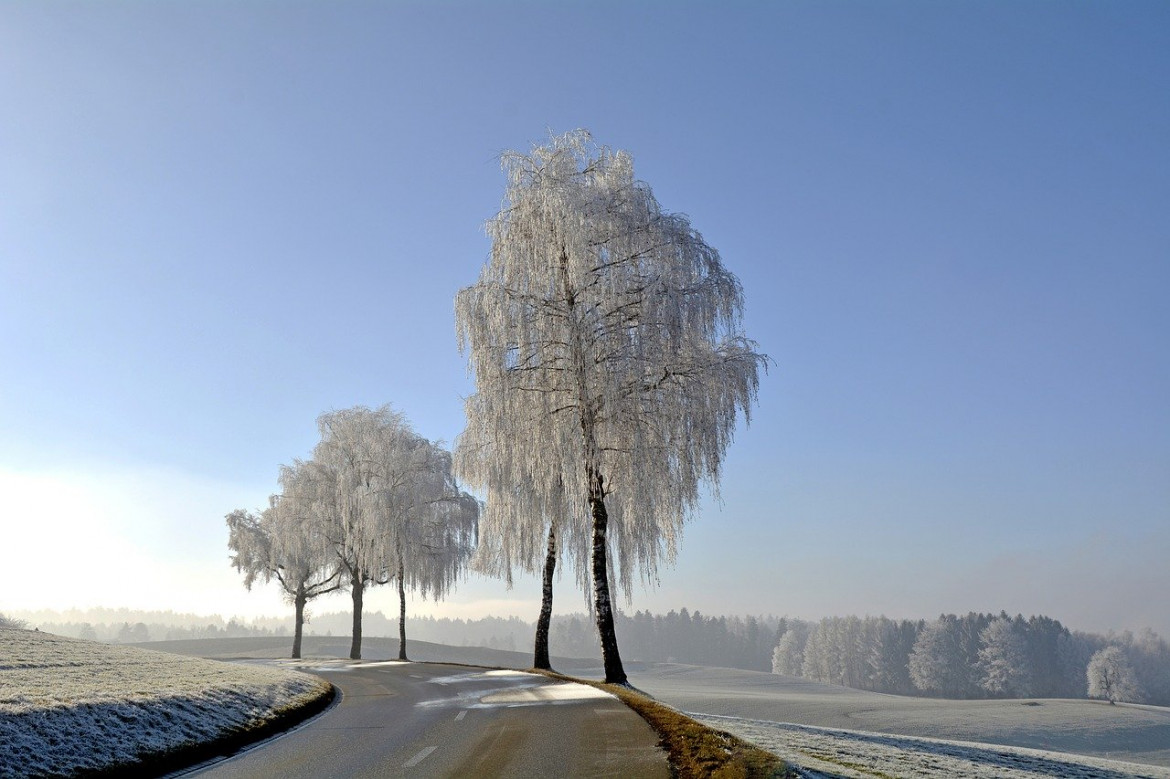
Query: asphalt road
(429, 719)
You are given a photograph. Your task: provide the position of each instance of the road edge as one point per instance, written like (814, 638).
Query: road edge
(694, 750)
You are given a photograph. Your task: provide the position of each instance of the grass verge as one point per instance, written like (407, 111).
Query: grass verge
(154, 764)
(693, 749)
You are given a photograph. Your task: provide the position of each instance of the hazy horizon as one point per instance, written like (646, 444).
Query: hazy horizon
(378, 619)
(949, 221)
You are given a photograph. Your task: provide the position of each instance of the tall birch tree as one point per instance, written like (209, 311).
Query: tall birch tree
(604, 337)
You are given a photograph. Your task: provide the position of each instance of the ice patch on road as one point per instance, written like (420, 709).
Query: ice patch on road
(326, 665)
(479, 676)
(504, 687)
(547, 693)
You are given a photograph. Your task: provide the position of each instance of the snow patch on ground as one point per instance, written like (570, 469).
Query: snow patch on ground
(545, 693)
(861, 755)
(1135, 734)
(69, 706)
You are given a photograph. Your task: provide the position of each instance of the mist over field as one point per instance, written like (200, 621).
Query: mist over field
(971, 656)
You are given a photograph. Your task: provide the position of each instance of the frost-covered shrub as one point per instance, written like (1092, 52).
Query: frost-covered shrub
(1111, 677)
(9, 622)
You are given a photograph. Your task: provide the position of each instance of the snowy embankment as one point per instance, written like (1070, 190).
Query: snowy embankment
(69, 706)
(860, 755)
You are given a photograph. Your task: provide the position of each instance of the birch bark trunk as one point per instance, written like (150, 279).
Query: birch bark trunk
(298, 629)
(401, 612)
(541, 659)
(355, 647)
(610, 657)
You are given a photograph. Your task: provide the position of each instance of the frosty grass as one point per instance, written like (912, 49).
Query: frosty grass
(68, 706)
(860, 755)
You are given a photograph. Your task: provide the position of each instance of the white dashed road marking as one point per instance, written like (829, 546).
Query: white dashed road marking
(461, 715)
(421, 756)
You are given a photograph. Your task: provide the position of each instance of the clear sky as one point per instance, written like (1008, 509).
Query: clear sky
(951, 221)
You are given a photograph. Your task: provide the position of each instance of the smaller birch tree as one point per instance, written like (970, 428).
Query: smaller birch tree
(433, 533)
(390, 507)
(282, 543)
(359, 467)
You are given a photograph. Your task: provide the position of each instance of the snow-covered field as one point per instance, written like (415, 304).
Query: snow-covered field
(69, 706)
(842, 732)
(859, 755)
(853, 733)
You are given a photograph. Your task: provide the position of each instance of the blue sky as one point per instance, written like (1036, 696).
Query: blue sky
(219, 220)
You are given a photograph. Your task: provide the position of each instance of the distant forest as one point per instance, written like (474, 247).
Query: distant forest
(971, 656)
(976, 656)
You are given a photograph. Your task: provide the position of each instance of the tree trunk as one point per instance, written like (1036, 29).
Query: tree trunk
(611, 659)
(299, 602)
(614, 673)
(355, 648)
(541, 659)
(401, 613)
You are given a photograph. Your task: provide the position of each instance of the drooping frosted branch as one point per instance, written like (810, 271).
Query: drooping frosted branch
(597, 309)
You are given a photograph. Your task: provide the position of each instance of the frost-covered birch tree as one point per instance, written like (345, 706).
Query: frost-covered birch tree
(937, 664)
(1004, 659)
(391, 508)
(433, 527)
(788, 656)
(604, 336)
(1111, 676)
(518, 517)
(284, 543)
(364, 458)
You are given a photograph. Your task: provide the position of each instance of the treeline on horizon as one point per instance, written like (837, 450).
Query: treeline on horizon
(976, 656)
(678, 636)
(972, 656)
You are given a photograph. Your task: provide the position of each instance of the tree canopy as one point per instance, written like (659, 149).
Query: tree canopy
(604, 338)
(284, 543)
(375, 502)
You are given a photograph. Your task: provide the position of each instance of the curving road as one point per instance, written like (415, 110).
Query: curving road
(428, 719)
